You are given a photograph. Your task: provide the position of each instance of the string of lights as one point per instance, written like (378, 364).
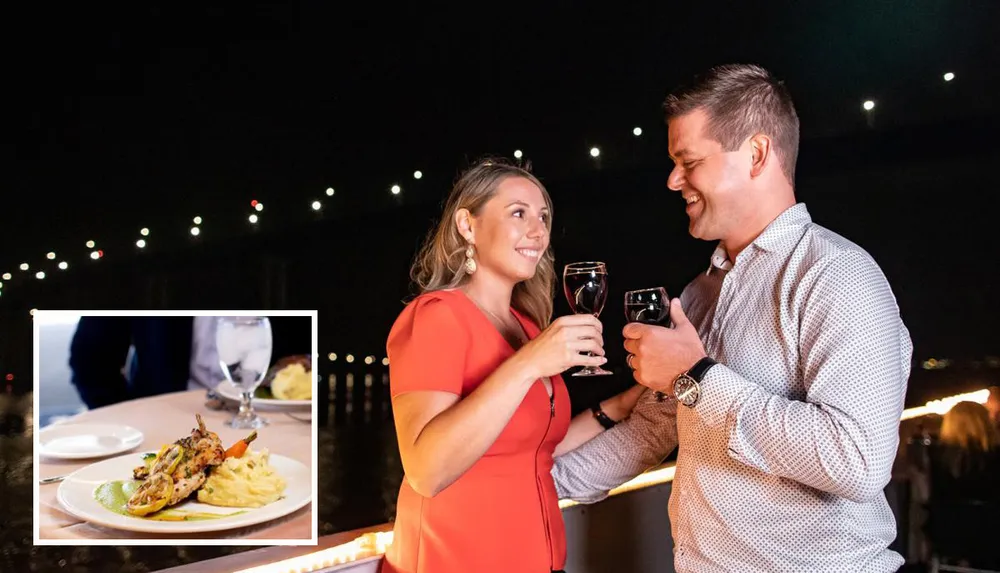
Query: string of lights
(28, 269)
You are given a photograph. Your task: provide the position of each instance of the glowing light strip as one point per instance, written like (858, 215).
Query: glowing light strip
(941, 407)
(368, 545)
(375, 544)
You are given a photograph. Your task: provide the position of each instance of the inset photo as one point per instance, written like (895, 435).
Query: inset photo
(170, 428)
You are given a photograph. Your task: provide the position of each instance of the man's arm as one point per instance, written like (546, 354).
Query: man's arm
(855, 358)
(96, 357)
(615, 456)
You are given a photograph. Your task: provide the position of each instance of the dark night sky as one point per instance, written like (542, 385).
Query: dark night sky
(131, 116)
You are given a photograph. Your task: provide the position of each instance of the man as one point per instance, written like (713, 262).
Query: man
(171, 354)
(786, 367)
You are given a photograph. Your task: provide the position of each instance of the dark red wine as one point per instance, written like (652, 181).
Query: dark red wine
(586, 292)
(648, 313)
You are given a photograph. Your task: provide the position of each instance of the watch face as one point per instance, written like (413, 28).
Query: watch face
(686, 390)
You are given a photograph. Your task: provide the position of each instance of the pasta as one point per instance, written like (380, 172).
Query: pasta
(293, 382)
(247, 481)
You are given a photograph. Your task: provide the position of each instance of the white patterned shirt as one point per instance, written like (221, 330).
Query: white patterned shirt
(782, 462)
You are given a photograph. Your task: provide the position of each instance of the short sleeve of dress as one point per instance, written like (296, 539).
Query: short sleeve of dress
(427, 348)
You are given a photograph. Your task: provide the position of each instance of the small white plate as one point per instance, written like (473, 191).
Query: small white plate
(70, 441)
(76, 494)
(229, 391)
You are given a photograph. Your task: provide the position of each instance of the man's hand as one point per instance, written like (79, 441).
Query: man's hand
(662, 354)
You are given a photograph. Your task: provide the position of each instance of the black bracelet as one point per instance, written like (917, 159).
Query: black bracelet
(603, 418)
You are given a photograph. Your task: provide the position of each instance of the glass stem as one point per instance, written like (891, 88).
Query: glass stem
(246, 410)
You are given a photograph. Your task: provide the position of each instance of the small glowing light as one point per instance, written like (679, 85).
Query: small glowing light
(417, 174)
(350, 358)
(1, 285)
(316, 205)
(518, 154)
(259, 207)
(637, 131)
(369, 359)
(7, 276)
(595, 152)
(90, 244)
(332, 356)
(949, 76)
(100, 253)
(329, 191)
(197, 220)
(253, 203)
(32, 311)
(51, 256)
(10, 377)
(24, 266)
(195, 231)
(253, 218)
(385, 362)
(63, 266)
(868, 105)
(40, 275)
(144, 232)
(395, 189)
(141, 243)
(94, 255)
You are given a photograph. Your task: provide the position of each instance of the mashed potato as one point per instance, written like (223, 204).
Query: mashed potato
(293, 382)
(248, 481)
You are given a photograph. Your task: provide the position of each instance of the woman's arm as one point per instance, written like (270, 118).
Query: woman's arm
(441, 435)
(584, 426)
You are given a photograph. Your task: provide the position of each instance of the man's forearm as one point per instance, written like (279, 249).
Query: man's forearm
(616, 456)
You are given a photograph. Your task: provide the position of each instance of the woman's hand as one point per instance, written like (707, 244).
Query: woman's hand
(563, 345)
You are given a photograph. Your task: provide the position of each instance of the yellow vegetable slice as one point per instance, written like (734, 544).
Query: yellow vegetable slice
(151, 496)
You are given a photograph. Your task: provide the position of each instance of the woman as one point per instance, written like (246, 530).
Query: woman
(479, 405)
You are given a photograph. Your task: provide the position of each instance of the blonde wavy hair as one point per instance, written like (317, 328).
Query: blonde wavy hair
(968, 425)
(440, 262)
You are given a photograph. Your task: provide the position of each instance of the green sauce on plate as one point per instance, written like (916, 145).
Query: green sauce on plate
(114, 495)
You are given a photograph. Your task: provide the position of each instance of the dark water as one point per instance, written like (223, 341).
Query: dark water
(359, 477)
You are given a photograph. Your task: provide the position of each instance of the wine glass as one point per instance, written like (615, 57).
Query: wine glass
(649, 306)
(586, 287)
(244, 345)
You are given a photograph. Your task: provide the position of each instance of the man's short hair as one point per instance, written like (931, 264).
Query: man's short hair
(742, 100)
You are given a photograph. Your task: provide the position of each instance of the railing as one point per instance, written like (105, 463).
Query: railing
(360, 551)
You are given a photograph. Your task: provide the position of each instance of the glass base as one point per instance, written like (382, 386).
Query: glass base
(245, 422)
(592, 371)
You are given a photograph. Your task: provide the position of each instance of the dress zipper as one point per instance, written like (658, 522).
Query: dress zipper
(538, 485)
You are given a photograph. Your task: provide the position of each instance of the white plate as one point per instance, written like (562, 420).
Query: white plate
(76, 494)
(227, 390)
(71, 441)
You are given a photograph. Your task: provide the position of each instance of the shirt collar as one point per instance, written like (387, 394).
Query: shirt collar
(781, 232)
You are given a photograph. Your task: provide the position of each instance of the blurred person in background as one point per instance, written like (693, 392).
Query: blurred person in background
(168, 354)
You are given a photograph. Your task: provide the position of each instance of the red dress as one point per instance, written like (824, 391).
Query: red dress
(502, 515)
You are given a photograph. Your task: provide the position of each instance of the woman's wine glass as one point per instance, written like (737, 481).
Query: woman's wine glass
(586, 287)
(649, 306)
(244, 345)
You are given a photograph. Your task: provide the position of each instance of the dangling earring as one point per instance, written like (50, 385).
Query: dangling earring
(470, 263)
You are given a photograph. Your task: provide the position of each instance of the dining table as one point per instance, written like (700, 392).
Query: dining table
(163, 419)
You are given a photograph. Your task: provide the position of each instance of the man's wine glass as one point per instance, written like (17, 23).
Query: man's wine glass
(649, 306)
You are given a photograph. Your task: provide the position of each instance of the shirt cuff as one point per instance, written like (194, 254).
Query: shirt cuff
(722, 390)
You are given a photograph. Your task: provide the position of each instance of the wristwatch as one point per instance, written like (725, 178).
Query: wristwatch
(687, 387)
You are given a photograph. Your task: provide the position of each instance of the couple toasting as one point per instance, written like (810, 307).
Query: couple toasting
(786, 364)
